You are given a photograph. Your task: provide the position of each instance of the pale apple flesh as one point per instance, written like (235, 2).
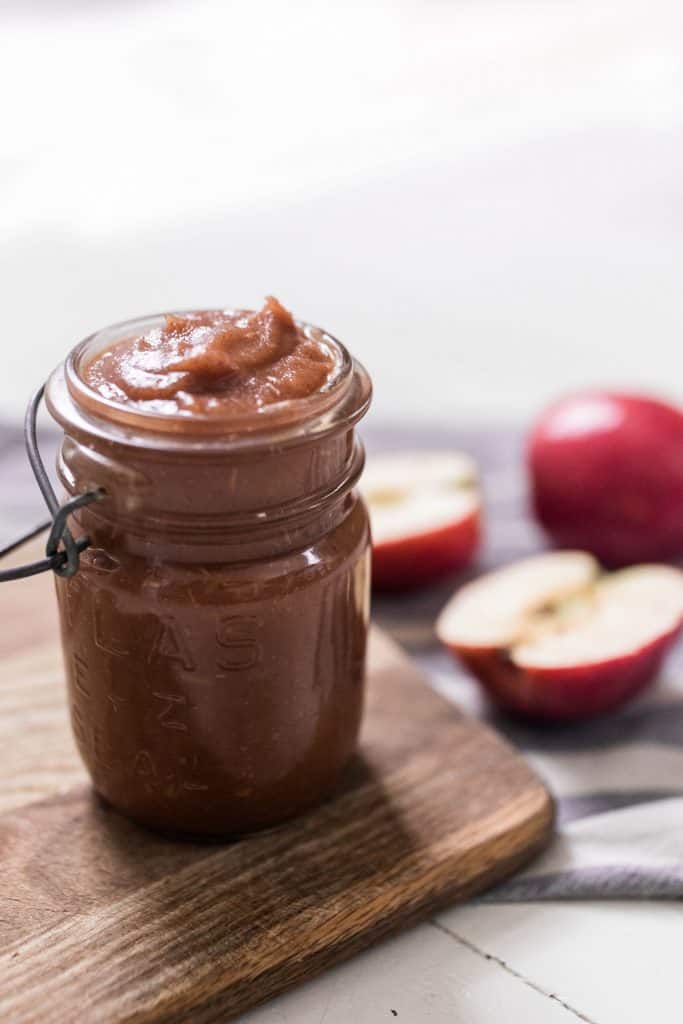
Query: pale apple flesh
(553, 637)
(425, 514)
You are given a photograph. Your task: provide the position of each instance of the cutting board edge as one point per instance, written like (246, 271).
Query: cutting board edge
(279, 980)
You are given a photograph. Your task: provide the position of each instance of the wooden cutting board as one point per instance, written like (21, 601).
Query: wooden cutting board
(101, 921)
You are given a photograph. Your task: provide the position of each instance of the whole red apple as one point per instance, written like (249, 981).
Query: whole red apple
(607, 476)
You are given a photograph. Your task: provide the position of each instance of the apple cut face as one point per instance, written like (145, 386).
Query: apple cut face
(494, 610)
(425, 514)
(552, 637)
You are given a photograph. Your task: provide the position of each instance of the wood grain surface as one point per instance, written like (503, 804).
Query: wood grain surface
(101, 921)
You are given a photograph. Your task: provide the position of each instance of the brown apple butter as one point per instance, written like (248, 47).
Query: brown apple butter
(215, 363)
(214, 635)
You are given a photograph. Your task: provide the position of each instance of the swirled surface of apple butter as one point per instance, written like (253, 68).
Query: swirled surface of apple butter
(216, 363)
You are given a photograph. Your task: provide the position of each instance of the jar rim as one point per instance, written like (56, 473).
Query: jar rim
(343, 400)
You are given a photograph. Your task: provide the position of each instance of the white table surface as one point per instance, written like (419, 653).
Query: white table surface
(607, 964)
(497, 182)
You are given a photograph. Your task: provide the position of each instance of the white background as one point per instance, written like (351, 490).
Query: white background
(483, 199)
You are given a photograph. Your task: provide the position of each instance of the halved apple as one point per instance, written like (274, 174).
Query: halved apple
(425, 512)
(553, 637)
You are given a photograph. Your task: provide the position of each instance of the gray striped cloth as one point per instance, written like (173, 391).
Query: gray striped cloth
(618, 780)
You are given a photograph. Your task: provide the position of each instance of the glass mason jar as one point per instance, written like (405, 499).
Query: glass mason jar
(214, 636)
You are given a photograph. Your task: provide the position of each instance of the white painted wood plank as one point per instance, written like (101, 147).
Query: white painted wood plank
(621, 962)
(422, 976)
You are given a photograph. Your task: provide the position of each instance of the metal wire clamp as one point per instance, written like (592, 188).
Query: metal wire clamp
(62, 551)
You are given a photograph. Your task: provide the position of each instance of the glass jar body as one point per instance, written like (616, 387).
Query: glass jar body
(214, 636)
(213, 698)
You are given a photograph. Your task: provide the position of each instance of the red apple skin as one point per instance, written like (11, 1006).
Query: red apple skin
(566, 694)
(422, 558)
(607, 476)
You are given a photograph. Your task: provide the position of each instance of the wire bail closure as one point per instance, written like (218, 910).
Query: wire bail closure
(63, 560)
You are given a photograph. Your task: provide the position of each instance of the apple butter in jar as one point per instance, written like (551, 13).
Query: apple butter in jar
(214, 636)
